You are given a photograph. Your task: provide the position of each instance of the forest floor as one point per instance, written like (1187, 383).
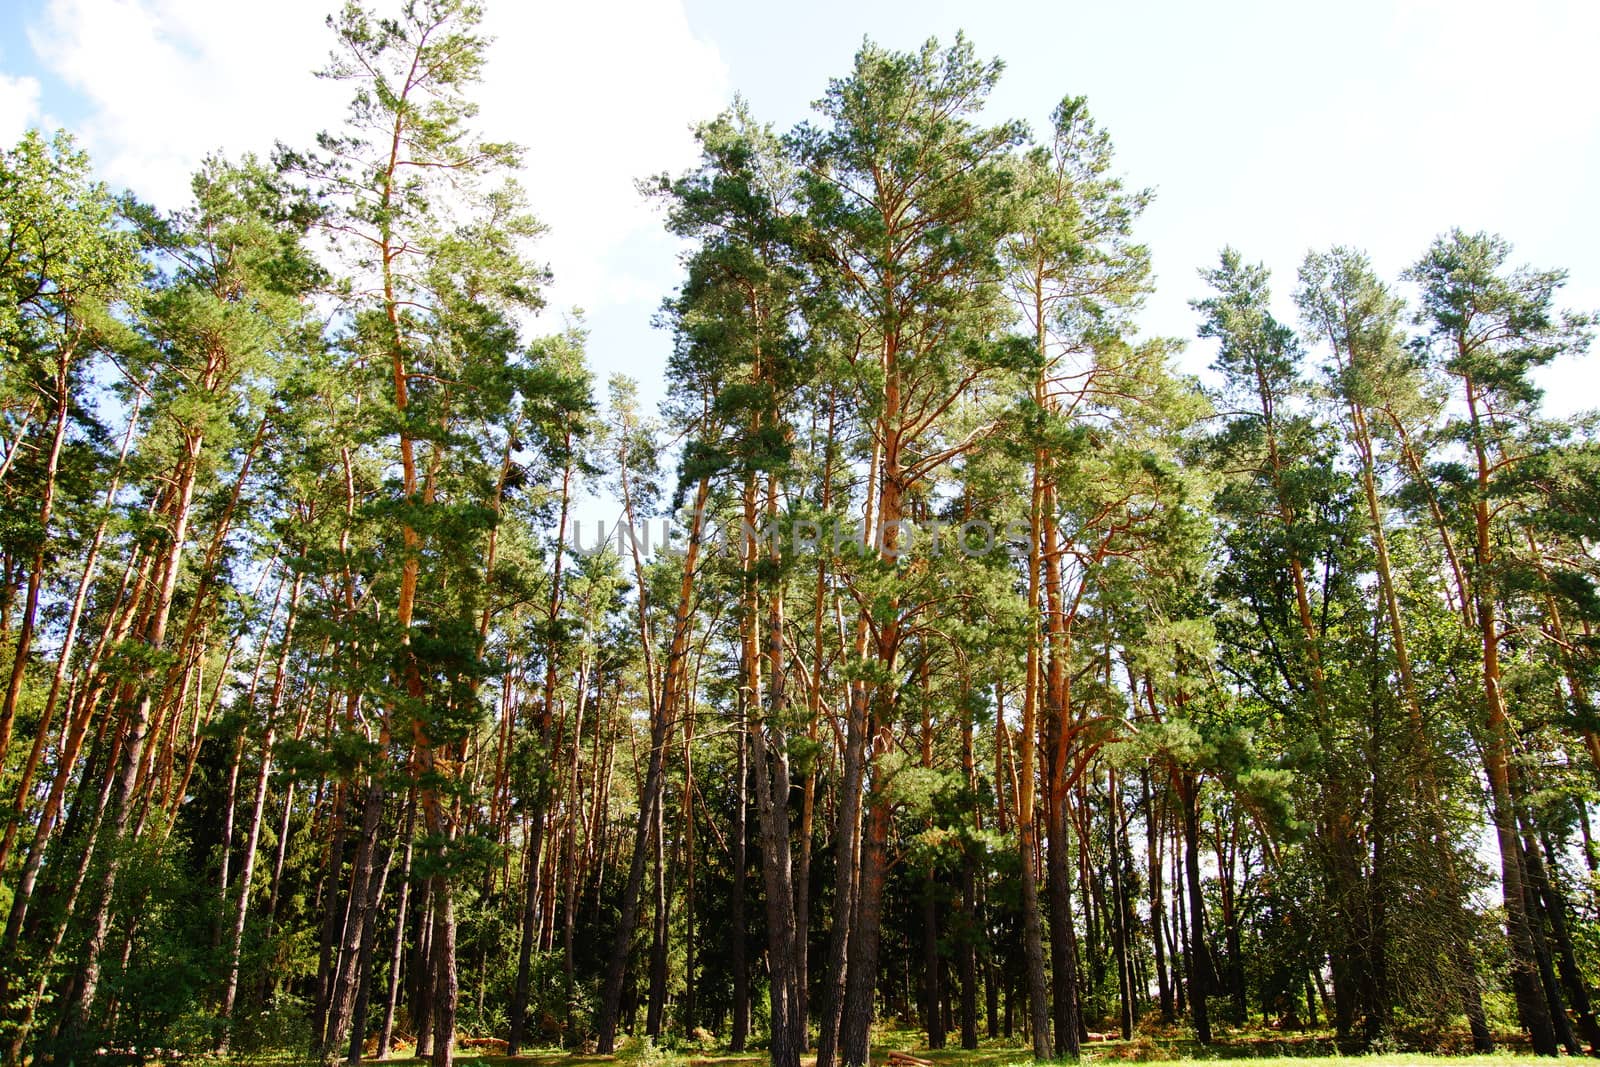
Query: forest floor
(1259, 1048)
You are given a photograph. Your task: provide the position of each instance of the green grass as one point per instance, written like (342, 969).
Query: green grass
(1011, 1057)
(1258, 1050)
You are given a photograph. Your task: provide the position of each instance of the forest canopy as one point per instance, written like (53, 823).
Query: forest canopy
(1002, 681)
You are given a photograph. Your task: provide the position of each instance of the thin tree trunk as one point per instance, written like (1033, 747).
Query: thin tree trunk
(528, 933)
(397, 947)
(1566, 959)
(519, 1000)
(258, 808)
(78, 1010)
(772, 781)
(1158, 909)
(968, 946)
(932, 992)
(1202, 978)
(422, 1012)
(656, 1002)
(369, 940)
(444, 988)
(96, 824)
(1532, 1007)
(36, 568)
(849, 849)
(736, 949)
(1032, 927)
(358, 915)
(690, 1016)
(847, 860)
(58, 677)
(1121, 936)
(328, 897)
(660, 725)
(855, 1027)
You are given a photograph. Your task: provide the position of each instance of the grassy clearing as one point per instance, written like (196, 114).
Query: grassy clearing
(1109, 1054)
(1270, 1050)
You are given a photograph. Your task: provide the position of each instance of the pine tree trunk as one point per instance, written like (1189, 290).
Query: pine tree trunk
(520, 994)
(1032, 926)
(656, 1002)
(1226, 851)
(737, 954)
(1566, 959)
(258, 807)
(855, 1027)
(1179, 931)
(690, 1013)
(361, 901)
(661, 718)
(1532, 1008)
(444, 988)
(1201, 977)
(328, 897)
(932, 1016)
(36, 567)
(77, 724)
(422, 1011)
(527, 933)
(23, 1024)
(1153, 836)
(1063, 936)
(772, 784)
(369, 940)
(80, 711)
(968, 946)
(77, 1014)
(397, 946)
(847, 860)
(616, 968)
(1120, 943)
(575, 856)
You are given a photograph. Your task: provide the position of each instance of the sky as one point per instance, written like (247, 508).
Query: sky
(1274, 127)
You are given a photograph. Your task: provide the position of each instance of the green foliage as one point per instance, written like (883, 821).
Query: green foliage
(288, 494)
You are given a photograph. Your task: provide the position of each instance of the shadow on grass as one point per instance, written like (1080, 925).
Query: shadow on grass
(1167, 1045)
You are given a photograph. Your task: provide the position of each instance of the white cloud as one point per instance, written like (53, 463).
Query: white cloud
(167, 81)
(598, 94)
(19, 106)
